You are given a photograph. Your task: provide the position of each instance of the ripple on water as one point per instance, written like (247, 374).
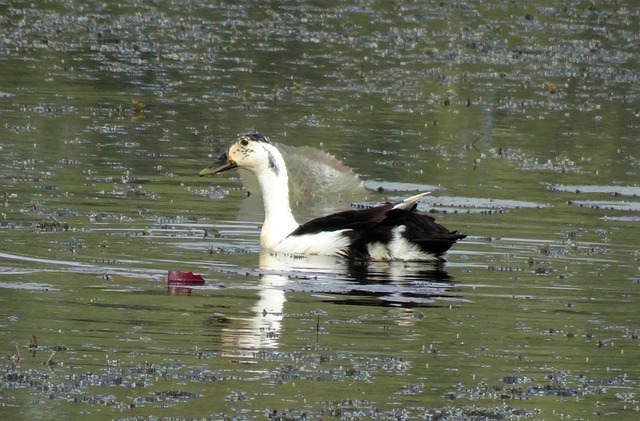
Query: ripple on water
(607, 205)
(29, 286)
(633, 191)
(612, 190)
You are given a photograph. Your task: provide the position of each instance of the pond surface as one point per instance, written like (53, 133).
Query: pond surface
(522, 119)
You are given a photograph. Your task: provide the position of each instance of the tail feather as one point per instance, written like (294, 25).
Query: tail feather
(410, 202)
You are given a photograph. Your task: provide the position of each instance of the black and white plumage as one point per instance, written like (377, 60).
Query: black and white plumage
(384, 232)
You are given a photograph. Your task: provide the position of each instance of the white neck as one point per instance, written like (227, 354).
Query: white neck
(278, 219)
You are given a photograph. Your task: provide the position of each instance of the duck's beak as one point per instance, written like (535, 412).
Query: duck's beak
(222, 164)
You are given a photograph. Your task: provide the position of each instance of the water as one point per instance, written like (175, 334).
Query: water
(522, 120)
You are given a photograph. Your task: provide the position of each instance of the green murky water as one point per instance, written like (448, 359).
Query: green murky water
(523, 119)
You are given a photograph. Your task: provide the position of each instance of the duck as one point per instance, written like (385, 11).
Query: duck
(389, 231)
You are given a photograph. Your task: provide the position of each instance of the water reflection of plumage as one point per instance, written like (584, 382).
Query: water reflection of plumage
(404, 287)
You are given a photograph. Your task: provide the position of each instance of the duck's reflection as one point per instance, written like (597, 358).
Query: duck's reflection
(268, 310)
(404, 286)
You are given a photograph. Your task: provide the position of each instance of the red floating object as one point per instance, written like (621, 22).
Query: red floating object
(176, 277)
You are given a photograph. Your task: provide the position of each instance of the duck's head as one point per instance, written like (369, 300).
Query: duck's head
(253, 152)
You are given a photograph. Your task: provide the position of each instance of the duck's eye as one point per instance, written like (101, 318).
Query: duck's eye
(244, 142)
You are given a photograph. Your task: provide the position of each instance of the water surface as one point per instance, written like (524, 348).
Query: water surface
(522, 120)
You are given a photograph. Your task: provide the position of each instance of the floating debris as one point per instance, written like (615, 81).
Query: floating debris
(51, 225)
(175, 277)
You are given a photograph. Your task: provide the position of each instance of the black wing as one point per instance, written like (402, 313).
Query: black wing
(360, 219)
(424, 231)
(421, 230)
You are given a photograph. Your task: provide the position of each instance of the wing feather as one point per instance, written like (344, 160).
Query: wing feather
(359, 219)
